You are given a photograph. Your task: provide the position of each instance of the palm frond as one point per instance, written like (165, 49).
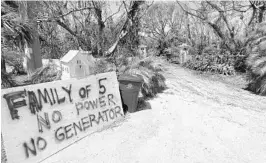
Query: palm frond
(149, 69)
(257, 70)
(14, 28)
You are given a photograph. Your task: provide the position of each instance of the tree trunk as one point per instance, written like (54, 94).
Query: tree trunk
(134, 8)
(188, 30)
(3, 65)
(101, 27)
(98, 12)
(32, 59)
(100, 40)
(261, 13)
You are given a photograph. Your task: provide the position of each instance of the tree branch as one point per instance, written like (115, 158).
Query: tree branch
(63, 15)
(253, 15)
(113, 13)
(224, 19)
(215, 6)
(234, 8)
(125, 6)
(63, 25)
(146, 10)
(75, 10)
(190, 13)
(134, 8)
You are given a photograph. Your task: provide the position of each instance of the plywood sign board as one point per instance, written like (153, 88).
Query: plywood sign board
(40, 120)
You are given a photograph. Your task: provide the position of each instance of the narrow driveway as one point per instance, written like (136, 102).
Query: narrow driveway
(194, 121)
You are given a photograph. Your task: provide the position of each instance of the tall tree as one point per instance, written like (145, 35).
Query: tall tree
(18, 30)
(98, 10)
(131, 17)
(164, 23)
(32, 59)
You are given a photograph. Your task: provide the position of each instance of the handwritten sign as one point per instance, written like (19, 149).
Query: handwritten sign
(40, 120)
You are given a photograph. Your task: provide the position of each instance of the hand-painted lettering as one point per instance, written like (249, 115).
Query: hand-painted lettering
(33, 103)
(43, 122)
(75, 126)
(32, 149)
(85, 124)
(49, 122)
(68, 91)
(105, 113)
(94, 103)
(13, 103)
(92, 118)
(41, 144)
(118, 110)
(100, 117)
(52, 93)
(59, 100)
(56, 116)
(59, 135)
(102, 88)
(111, 114)
(84, 91)
(67, 130)
(110, 99)
(102, 101)
(86, 105)
(44, 97)
(79, 106)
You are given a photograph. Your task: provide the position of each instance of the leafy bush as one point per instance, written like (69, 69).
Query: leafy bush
(218, 59)
(256, 75)
(216, 63)
(7, 81)
(256, 62)
(15, 61)
(101, 66)
(149, 69)
(240, 63)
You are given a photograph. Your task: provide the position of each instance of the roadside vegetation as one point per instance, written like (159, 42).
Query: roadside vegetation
(226, 38)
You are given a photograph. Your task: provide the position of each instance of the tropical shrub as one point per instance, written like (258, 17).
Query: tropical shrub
(212, 60)
(256, 74)
(101, 66)
(256, 61)
(16, 62)
(7, 81)
(150, 70)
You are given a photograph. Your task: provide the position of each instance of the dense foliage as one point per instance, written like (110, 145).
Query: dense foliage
(212, 61)
(48, 73)
(149, 69)
(219, 35)
(256, 62)
(7, 81)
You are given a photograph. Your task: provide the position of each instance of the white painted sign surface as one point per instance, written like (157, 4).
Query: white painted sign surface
(40, 120)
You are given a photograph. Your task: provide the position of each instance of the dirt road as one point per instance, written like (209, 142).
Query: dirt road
(195, 120)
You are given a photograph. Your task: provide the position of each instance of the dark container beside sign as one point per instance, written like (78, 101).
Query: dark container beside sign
(129, 87)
